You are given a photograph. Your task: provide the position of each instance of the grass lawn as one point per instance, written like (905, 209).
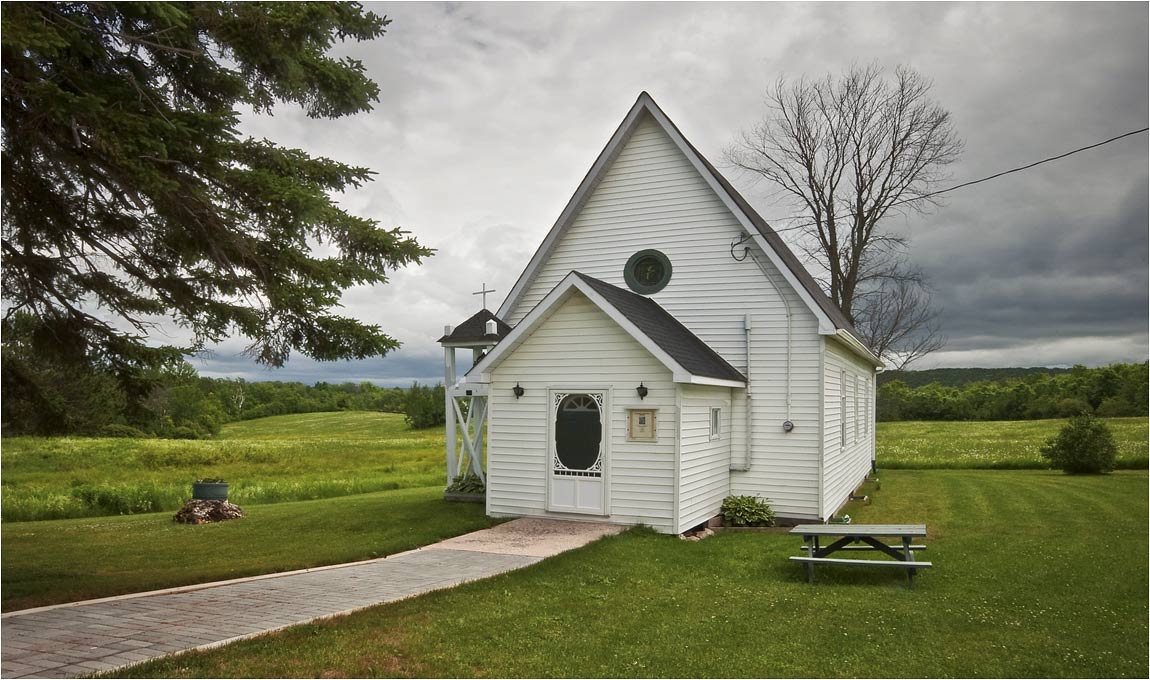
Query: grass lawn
(994, 445)
(66, 560)
(1036, 574)
(270, 460)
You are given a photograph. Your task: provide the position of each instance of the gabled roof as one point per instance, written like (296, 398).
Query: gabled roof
(474, 330)
(689, 359)
(831, 320)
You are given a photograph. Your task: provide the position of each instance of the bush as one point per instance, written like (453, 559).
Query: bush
(122, 432)
(182, 432)
(1083, 446)
(424, 407)
(747, 511)
(469, 483)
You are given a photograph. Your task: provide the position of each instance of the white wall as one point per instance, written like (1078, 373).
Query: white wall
(652, 197)
(849, 435)
(704, 466)
(580, 347)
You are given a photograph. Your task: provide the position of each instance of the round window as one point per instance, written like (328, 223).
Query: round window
(647, 272)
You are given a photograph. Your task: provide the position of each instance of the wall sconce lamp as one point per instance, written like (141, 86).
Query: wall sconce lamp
(517, 390)
(642, 391)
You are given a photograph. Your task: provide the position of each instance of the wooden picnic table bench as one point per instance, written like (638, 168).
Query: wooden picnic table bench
(869, 535)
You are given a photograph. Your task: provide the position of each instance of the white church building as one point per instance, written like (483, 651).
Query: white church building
(662, 350)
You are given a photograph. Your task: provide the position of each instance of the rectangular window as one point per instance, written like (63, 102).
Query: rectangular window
(855, 391)
(716, 422)
(842, 408)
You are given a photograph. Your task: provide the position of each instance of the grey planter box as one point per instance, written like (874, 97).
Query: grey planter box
(210, 491)
(464, 497)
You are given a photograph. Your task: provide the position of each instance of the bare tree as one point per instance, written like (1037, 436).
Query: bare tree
(851, 153)
(896, 320)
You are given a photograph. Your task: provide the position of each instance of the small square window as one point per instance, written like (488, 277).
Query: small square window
(716, 422)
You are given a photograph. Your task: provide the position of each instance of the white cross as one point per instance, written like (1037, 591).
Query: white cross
(484, 293)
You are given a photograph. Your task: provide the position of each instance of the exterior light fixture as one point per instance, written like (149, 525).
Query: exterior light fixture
(642, 391)
(517, 390)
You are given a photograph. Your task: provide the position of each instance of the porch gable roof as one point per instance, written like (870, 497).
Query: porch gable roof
(689, 359)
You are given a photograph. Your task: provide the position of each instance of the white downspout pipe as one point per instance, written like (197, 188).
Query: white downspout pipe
(748, 438)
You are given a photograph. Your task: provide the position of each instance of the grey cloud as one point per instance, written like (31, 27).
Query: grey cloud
(490, 115)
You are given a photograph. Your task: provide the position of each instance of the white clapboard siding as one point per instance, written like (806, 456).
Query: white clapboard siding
(652, 197)
(704, 466)
(846, 465)
(580, 347)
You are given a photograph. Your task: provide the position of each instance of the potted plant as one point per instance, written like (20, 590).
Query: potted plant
(210, 490)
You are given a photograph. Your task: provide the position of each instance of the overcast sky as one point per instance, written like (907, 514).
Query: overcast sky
(491, 114)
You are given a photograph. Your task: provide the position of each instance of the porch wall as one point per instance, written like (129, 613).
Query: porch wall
(705, 466)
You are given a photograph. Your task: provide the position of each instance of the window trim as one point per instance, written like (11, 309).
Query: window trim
(641, 288)
(716, 422)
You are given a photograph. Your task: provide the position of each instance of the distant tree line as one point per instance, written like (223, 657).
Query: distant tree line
(957, 377)
(41, 399)
(1108, 391)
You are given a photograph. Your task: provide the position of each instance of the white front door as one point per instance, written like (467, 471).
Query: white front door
(579, 433)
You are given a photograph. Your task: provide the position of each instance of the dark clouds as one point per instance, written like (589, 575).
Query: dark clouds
(491, 114)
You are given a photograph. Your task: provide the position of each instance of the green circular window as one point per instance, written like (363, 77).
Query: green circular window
(647, 272)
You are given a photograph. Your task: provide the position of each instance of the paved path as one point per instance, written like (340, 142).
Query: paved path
(101, 635)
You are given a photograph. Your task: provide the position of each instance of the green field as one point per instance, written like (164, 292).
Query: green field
(1037, 574)
(1009, 445)
(270, 460)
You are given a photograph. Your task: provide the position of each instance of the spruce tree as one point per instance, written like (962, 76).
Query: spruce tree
(130, 196)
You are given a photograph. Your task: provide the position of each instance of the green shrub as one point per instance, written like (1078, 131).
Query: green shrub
(117, 431)
(182, 432)
(747, 511)
(1083, 445)
(469, 483)
(424, 407)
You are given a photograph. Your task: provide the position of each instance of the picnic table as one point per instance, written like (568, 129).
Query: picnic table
(870, 536)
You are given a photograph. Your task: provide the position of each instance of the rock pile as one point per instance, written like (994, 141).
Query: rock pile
(201, 512)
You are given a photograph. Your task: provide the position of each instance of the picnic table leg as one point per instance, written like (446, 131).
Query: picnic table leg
(908, 556)
(812, 547)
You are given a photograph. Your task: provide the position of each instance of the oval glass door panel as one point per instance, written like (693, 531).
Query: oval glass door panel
(578, 435)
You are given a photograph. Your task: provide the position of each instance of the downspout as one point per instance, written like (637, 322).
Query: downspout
(788, 426)
(748, 438)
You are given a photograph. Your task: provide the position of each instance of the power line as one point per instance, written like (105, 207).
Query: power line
(990, 177)
(1024, 167)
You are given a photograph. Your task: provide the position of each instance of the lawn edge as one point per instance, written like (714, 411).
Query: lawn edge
(202, 586)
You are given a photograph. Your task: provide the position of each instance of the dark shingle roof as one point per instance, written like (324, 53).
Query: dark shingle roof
(475, 329)
(664, 330)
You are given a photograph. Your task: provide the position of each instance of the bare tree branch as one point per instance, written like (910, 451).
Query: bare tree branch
(852, 152)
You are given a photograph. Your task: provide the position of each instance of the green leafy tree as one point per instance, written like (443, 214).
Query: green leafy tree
(1084, 445)
(131, 196)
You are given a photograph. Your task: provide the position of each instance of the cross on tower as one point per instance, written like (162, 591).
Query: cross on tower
(484, 293)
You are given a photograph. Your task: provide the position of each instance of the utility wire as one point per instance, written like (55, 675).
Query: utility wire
(1020, 169)
(994, 176)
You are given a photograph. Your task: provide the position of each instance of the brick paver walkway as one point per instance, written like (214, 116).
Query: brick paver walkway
(88, 637)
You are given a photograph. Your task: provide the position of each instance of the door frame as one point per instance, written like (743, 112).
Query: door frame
(604, 423)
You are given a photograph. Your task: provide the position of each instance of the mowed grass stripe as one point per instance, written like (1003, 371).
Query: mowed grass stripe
(1024, 585)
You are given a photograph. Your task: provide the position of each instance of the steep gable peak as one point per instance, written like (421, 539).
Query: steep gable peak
(830, 319)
